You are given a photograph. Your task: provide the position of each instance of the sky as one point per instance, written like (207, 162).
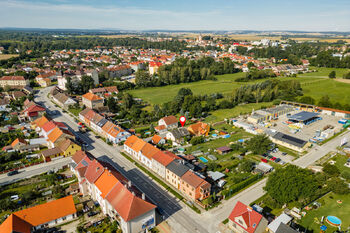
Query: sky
(300, 15)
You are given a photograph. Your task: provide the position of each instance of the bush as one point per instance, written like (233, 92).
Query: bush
(345, 175)
(197, 140)
(331, 170)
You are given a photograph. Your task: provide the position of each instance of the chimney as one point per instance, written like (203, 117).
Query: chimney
(129, 184)
(143, 196)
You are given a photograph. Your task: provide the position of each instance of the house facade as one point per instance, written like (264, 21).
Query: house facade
(92, 101)
(14, 82)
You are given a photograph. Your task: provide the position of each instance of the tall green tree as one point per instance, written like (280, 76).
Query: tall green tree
(259, 144)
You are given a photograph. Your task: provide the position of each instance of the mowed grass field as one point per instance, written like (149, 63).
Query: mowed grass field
(158, 95)
(316, 85)
(7, 56)
(224, 84)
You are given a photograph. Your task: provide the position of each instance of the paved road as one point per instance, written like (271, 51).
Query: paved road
(34, 170)
(179, 216)
(319, 151)
(177, 213)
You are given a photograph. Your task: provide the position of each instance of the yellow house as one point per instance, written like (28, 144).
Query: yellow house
(68, 147)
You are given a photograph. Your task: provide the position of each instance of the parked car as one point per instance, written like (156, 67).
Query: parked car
(277, 160)
(284, 153)
(282, 162)
(264, 155)
(269, 156)
(12, 173)
(273, 158)
(92, 213)
(264, 160)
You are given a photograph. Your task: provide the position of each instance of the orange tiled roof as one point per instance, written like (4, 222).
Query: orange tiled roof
(138, 145)
(18, 140)
(47, 212)
(40, 122)
(15, 224)
(91, 97)
(156, 139)
(149, 150)
(130, 141)
(55, 134)
(106, 182)
(126, 204)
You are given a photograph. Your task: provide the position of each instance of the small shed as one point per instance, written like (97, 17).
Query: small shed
(223, 150)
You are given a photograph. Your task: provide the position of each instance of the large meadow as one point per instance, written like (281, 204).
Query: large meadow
(315, 84)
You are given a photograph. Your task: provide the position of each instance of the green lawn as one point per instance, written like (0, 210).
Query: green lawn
(221, 114)
(337, 91)
(158, 95)
(324, 72)
(329, 207)
(340, 160)
(240, 134)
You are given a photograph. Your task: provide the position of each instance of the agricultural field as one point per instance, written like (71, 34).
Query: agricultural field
(329, 206)
(7, 56)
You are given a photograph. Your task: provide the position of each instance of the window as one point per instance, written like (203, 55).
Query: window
(187, 186)
(192, 189)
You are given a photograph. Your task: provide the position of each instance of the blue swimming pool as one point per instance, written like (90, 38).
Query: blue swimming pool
(334, 221)
(203, 159)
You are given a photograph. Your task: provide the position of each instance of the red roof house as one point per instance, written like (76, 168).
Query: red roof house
(244, 219)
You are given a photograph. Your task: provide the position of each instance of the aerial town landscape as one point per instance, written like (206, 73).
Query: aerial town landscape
(176, 126)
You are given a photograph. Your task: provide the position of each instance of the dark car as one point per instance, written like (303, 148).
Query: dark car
(12, 173)
(277, 160)
(264, 155)
(93, 213)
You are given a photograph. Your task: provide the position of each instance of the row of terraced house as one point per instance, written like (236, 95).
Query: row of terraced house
(171, 168)
(118, 198)
(107, 129)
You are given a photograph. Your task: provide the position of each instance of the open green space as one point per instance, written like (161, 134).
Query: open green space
(330, 206)
(337, 91)
(340, 160)
(323, 72)
(221, 114)
(158, 95)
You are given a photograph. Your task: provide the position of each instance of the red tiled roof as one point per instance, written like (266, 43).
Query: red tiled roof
(250, 216)
(193, 180)
(163, 158)
(34, 108)
(126, 204)
(18, 78)
(169, 120)
(94, 171)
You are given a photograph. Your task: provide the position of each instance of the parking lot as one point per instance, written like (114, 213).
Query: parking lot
(307, 131)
